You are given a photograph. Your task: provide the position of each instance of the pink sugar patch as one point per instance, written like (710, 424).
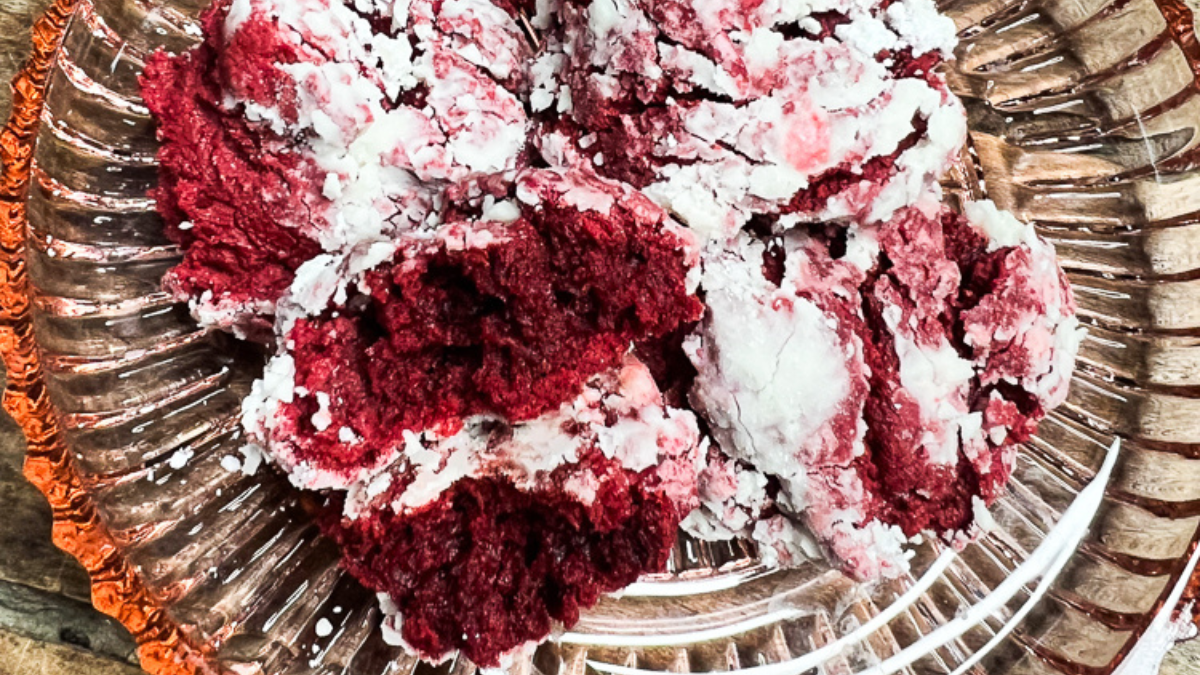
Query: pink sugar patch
(807, 140)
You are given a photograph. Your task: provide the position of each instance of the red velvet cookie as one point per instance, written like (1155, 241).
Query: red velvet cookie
(880, 383)
(482, 539)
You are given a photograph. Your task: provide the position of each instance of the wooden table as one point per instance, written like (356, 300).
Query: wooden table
(47, 624)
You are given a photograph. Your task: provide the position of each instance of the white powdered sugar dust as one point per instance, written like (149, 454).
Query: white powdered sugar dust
(770, 113)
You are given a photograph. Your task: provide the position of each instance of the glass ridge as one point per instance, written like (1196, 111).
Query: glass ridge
(1083, 120)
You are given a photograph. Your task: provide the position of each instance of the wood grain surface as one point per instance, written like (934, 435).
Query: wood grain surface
(47, 624)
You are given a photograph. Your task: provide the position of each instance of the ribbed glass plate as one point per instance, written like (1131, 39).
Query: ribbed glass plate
(1084, 117)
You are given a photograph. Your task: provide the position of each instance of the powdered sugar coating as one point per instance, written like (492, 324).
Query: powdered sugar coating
(734, 502)
(723, 110)
(773, 391)
(383, 157)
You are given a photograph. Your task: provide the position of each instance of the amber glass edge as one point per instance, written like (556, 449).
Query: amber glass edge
(77, 529)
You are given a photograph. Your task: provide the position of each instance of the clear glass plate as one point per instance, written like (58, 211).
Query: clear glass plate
(1084, 117)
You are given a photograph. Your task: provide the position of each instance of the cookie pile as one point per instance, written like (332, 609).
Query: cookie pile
(544, 282)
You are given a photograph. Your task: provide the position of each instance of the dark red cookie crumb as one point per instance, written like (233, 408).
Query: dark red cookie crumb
(507, 562)
(669, 364)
